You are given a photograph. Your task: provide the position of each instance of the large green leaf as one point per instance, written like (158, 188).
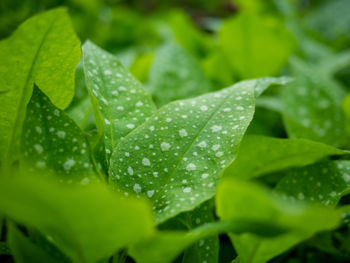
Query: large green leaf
(255, 45)
(120, 102)
(87, 223)
(175, 74)
(43, 50)
(52, 141)
(246, 201)
(330, 181)
(312, 104)
(176, 157)
(282, 154)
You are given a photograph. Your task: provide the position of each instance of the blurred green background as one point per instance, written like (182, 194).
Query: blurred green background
(231, 40)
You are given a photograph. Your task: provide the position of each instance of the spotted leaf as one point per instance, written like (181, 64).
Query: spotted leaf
(329, 182)
(52, 141)
(120, 102)
(247, 201)
(312, 105)
(176, 157)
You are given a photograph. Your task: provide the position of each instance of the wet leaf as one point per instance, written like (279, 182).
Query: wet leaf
(185, 146)
(247, 201)
(323, 183)
(52, 142)
(120, 102)
(312, 105)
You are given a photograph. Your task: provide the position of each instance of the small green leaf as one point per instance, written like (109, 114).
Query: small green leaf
(330, 181)
(255, 45)
(43, 50)
(52, 141)
(120, 102)
(175, 74)
(185, 146)
(25, 251)
(252, 161)
(246, 201)
(312, 105)
(87, 223)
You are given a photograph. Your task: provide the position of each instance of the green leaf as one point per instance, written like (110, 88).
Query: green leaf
(82, 114)
(206, 249)
(25, 251)
(312, 105)
(246, 201)
(43, 50)
(81, 110)
(252, 161)
(255, 45)
(187, 34)
(330, 181)
(51, 141)
(218, 69)
(87, 223)
(120, 102)
(164, 246)
(175, 74)
(185, 146)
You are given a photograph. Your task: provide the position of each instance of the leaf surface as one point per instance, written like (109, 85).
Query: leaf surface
(246, 201)
(255, 45)
(87, 223)
(43, 50)
(259, 155)
(176, 157)
(120, 101)
(312, 105)
(175, 74)
(51, 141)
(330, 180)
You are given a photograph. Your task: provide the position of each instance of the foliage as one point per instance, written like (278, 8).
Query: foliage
(217, 137)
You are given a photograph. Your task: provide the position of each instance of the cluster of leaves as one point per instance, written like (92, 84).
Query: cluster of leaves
(98, 167)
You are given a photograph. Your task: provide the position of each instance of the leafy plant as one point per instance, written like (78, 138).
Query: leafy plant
(182, 165)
